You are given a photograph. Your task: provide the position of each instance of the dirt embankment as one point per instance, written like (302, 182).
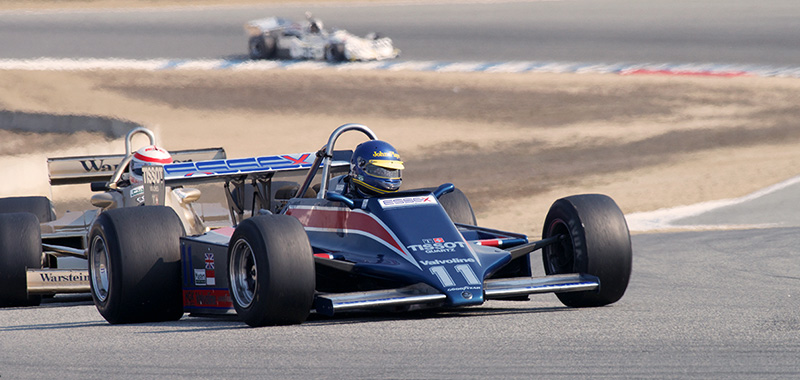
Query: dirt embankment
(512, 142)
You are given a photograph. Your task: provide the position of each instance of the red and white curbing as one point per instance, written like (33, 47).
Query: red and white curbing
(709, 70)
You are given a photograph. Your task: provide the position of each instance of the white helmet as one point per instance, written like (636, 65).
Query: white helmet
(149, 155)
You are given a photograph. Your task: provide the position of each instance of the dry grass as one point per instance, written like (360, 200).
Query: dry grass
(512, 142)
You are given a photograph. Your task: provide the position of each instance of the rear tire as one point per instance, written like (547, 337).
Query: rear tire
(134, 265)
(41, 207)
(271, 271)
(597, 243)
(261, 47)
(20, 249)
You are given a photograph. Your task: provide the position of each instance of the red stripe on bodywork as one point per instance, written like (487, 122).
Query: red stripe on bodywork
(224, 231)
(489, 242)
(207, 298)
(344, 220)
(725, 74)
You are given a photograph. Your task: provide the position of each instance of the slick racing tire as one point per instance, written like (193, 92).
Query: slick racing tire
(597, 242)
(261, 47)
(335, 53)
(458, 207)
(20, 249)
(271, 271)
(41, 207)
(134, 264)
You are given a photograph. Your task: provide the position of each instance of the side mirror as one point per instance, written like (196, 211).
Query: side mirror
(336, 197)
(99, 186)
(103, 200)
(187, 195)
(444, 189)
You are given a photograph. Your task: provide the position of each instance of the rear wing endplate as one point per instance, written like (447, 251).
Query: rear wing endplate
(86, 169)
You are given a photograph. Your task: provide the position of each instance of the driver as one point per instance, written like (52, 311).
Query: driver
(315, 25)
(149, 155)
(375, 168)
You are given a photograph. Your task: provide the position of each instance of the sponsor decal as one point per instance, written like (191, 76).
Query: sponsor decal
(464, 288)
(138, 190)
(386, 154)
(237, 165)
(200, 277)
(407, 201)
(90, 166)
(70, 277)
(436, 245)
(207, 298)
(457, 260)
(154, 190)
(298, 161)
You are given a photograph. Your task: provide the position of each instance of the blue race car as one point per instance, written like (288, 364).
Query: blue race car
(294, 248)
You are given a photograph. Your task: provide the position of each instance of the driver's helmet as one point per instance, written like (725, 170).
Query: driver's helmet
(376, 168)
(149, 155)
(315, 25)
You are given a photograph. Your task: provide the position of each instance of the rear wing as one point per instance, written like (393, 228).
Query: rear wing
(87, 169)
(258, 168)
(266, 25)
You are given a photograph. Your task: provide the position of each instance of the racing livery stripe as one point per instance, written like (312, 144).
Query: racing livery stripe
(691, 69)
(224, 231)
(352, 221)
(343, 219)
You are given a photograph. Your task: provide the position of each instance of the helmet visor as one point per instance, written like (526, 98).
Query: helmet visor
(384, 169)
(136, 168)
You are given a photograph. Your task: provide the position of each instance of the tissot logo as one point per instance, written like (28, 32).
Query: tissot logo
(439, 247)
(98, 166)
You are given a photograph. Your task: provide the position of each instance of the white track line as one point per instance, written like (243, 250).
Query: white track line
(662, 219)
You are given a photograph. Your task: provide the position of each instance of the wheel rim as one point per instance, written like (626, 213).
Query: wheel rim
(100, 278)
(255, 48)
(243, 273)
(560, 257)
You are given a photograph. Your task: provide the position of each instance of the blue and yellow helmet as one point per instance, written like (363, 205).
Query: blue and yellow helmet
(376, 168)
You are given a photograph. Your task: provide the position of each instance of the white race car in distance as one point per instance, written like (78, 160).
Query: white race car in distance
(280, 38)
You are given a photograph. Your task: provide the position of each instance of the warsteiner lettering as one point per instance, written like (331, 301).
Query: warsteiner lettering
(72, 277)
(94, 166)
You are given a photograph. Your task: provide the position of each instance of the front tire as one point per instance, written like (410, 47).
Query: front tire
(39, 206)
(458, 208)
(20, 249)
(335, 53)
(271, 271)
(134, 265)
(597, 242)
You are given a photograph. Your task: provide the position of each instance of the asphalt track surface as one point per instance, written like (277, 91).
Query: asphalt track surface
(701, 304)
(681, 31)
